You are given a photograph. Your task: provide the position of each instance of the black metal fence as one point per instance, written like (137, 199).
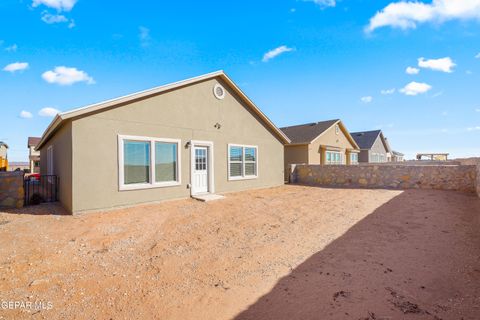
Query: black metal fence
(40, 188)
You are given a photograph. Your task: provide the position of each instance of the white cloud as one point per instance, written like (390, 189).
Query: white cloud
(478, 55)
(25, 114)
(324, 3)
(144, 36)
(48, 112)
(443, 64)
(388, 91)
(415, 88)
(444, 113)
(60, 5)
(477, 110)
(16, 66)
(66, 76)
(12, 48)
(366, 99)
(476, 128)
(53, 18)
(276, 52)
(412, 70)
(407, 14)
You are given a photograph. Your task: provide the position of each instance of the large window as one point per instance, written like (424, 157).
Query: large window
(148, 162)
(333, 157)
(242, 162)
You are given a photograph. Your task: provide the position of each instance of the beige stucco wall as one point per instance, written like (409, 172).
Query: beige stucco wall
(186, 114)
(330, 139)
(295, 154)
(62, 162)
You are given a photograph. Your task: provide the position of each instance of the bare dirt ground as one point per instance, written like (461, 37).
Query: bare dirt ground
(290, 252)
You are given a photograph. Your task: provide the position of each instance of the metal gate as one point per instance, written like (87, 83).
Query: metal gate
(40, 188)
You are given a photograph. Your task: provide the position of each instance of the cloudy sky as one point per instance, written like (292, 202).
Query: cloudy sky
(411, 69)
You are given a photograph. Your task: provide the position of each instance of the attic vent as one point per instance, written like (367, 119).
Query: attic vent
(219, 91)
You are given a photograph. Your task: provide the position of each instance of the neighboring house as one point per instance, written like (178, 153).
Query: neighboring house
(18, 166)
(327, 142)
(33, 155)
(397, 156)
(194, 137)
(433, 156)
(373, 145)
(3, 156)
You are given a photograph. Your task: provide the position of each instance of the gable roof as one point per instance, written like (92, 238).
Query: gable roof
(306, 133)
(396, 153)
(33, 141)
(84, 111)
(366, 139)
(309, 132)
(3, 144)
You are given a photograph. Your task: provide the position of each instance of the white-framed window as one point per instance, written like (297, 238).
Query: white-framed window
(242, 162)
(333, 157)
(146, 162)
(337, 129)
(353, 158)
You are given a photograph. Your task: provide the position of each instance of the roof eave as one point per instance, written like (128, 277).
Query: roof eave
(157, 90)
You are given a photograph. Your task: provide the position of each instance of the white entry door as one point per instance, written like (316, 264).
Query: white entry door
(200, 170)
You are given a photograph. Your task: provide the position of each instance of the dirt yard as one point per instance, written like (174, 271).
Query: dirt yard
(291, 252)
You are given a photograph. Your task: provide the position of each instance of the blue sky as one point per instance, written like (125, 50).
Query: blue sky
(300, 61)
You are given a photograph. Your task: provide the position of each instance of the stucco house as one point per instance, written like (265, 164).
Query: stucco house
(33, 155)
(374, 147)
(326, 142)
(194, 137)
(3, 156)
(397, 156)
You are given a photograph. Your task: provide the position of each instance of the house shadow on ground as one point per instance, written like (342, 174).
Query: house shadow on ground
(415, 257)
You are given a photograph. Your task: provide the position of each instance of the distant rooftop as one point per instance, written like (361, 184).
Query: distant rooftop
(33, 141)
(365, 139)
(306, 133)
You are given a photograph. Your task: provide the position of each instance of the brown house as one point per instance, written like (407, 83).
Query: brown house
(326, 142)
(190, 138)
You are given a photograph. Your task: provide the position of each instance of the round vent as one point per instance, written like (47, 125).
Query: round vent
(219, 91)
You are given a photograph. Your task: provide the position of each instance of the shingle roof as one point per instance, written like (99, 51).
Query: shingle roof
(366, 139)
(306, 133)
(33, 141)
(397, 153)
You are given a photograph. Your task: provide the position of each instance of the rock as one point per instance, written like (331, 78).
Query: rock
(38, 282)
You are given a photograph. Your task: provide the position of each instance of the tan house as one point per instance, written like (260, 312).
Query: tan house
(373, 145)
(327, 142)
(33, 155)
(199, 136)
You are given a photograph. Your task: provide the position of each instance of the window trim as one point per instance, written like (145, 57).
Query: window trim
(243, 176)
(152, 183)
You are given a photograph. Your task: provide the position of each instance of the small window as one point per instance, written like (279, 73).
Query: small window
(353, 158)
(337, 129)
(148, 162)
(242, 162)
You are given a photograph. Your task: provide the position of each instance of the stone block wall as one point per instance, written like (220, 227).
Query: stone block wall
(442, 177)
(11, 189)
